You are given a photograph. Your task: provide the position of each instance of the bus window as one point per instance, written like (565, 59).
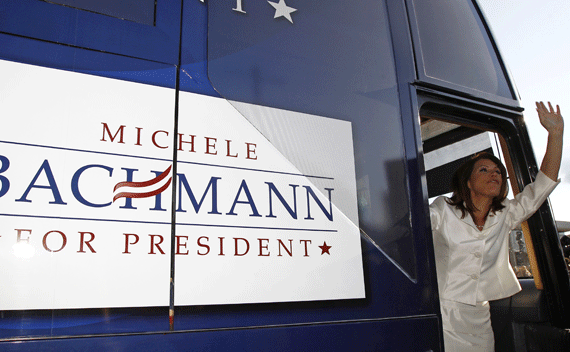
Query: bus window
(453, 43)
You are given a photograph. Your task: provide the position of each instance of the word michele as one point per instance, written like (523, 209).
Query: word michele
(160, 139)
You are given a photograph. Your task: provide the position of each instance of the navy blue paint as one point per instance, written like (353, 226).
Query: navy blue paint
(68, 58)
(141, 11)
(69, 26)
(82, 322)
(406, 71)
(409, 335)
(194, 58)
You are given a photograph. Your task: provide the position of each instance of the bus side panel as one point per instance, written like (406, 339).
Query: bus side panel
(75, 27)
(361, 336)
(391, 291)
(41, 53)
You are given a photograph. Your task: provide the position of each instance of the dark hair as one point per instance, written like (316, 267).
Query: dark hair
(461, 197)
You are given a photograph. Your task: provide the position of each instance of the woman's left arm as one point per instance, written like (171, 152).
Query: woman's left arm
(552, 121)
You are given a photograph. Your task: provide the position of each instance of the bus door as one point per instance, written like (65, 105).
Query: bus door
(451, 133)
(459, 77)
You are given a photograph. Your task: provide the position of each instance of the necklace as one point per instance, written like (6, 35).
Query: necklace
(480, 227)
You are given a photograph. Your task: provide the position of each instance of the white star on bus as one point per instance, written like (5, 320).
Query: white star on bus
(281, 9)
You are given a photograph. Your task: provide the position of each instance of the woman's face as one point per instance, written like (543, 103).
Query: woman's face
(485, 179)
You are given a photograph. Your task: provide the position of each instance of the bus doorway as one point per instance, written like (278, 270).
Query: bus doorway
(529, 320)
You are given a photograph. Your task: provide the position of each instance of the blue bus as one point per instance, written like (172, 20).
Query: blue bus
(251, 175)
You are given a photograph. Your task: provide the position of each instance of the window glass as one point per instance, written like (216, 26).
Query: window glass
(456, 48)
(141, 11)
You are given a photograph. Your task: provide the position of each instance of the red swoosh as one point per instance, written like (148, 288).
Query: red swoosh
(143, 195)
(145, 183)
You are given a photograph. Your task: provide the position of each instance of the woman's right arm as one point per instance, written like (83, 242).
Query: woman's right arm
(552, 121)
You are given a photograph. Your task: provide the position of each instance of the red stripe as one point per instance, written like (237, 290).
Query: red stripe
(159, 178)
(142, 195)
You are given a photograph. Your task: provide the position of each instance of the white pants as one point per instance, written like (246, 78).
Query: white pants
(467, 328)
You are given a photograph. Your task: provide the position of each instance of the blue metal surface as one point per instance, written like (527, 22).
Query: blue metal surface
(141, 11)
(59, 24)
(69, 58)
(194, 58)
(405, 335)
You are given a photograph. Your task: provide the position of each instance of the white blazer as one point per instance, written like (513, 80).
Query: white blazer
(472, 265)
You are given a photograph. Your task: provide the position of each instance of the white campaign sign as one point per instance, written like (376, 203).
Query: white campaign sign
(265, 212)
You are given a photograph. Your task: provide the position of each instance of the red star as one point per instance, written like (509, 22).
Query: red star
(325, 248)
